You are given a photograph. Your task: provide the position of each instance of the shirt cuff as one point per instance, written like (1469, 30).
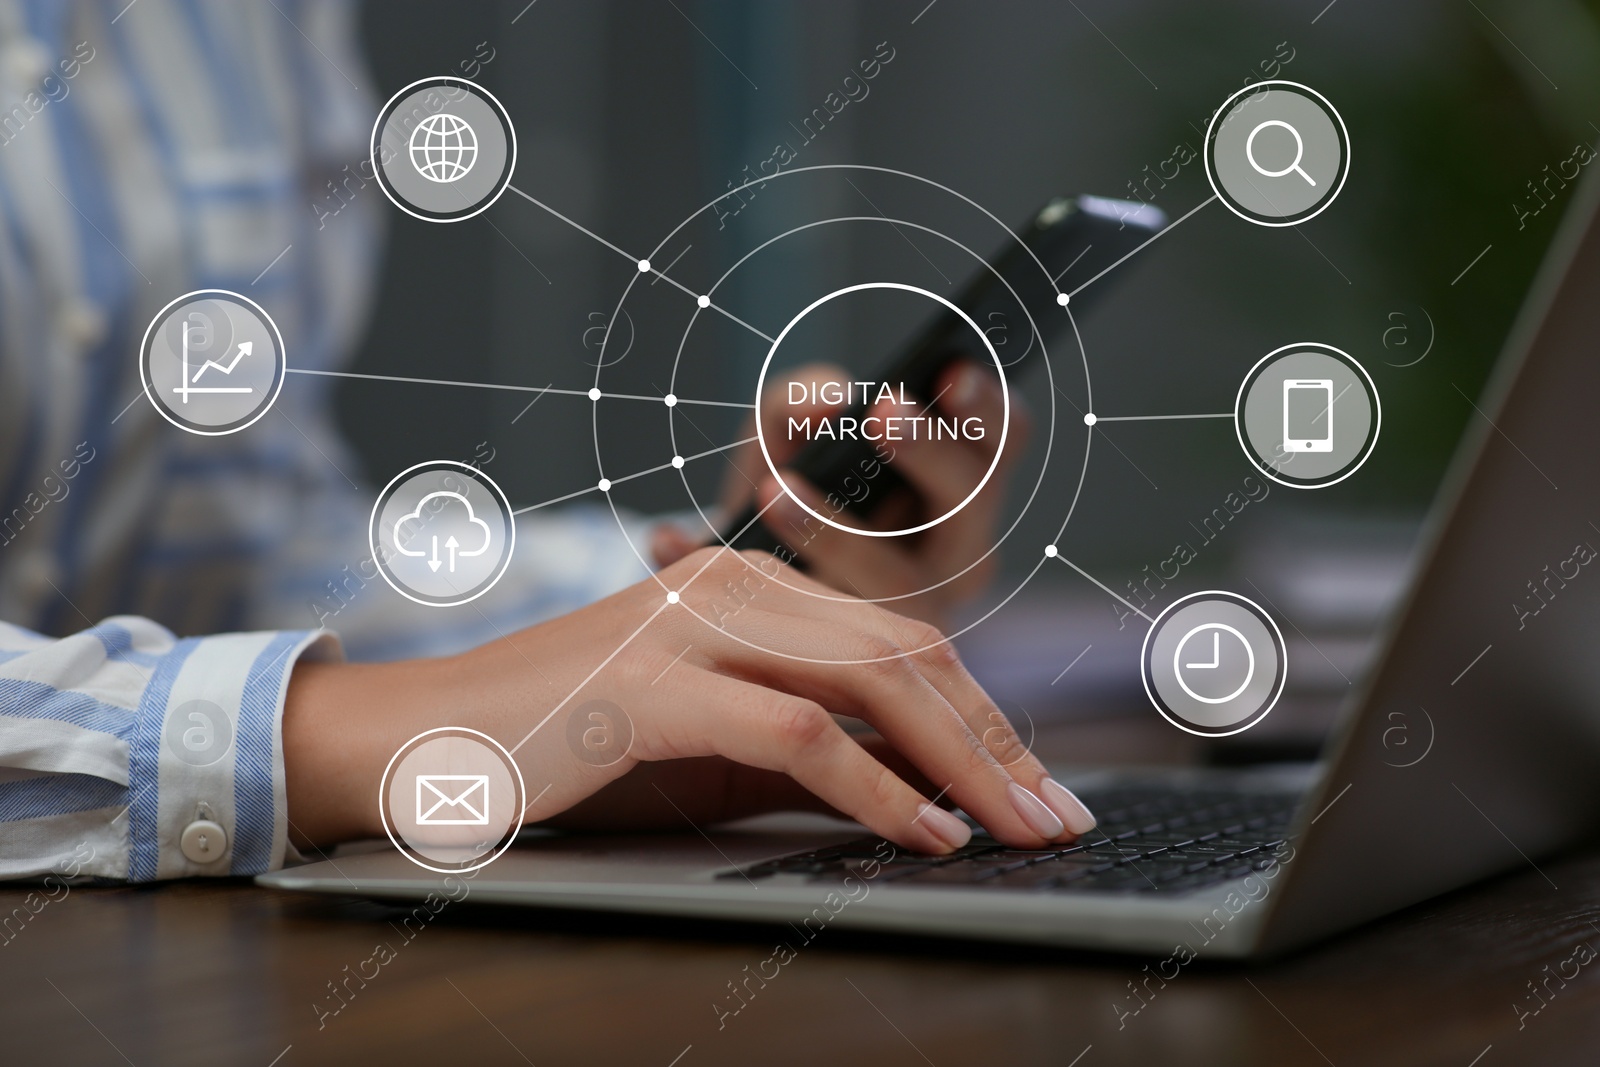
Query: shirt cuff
(205, 768)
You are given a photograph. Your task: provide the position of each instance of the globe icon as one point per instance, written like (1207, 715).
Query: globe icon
(443, 148)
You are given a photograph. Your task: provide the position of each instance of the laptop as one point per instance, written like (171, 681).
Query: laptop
(1489, 660)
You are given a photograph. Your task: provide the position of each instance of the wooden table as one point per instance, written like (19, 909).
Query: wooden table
(228, 973)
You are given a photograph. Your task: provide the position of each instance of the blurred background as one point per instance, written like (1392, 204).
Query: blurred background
(632, 115)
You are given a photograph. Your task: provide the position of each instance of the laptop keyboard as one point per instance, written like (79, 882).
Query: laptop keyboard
(1149, 839)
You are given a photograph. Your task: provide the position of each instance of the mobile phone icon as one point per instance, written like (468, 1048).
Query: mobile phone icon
(1308, 415)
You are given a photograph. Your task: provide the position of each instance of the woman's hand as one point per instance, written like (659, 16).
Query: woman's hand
(942, 566)
(737, 672)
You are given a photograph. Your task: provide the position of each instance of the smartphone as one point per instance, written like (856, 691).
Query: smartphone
(1074, 239)
(1308, 415)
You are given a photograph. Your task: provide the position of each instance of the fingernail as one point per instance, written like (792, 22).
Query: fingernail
(968, 384)
(946, 827)
(1074, 815)
(1040, 819)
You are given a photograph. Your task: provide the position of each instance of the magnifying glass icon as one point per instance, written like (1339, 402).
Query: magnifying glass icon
(1293, 167)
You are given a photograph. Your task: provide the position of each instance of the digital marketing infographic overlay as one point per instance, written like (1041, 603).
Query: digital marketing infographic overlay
(443, 533)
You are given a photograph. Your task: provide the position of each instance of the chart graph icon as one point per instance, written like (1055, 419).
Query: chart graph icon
(186, 386)
(212, 362)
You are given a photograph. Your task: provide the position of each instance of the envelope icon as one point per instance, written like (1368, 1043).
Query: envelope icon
(452, 800)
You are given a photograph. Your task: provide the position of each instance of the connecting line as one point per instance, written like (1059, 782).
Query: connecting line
(708, 452)
(640, 474)
(680, 400)
(1104, 587)
(1160, 233)
(638, 261)
(557, 500)
(603, 665)
(540, 389)
(1159, 418)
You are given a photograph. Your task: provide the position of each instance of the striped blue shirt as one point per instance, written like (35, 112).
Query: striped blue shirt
(148, 150)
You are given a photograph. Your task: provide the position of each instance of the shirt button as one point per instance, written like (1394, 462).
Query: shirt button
(203, 841)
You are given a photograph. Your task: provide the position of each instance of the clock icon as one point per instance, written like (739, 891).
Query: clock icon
(1214, 663)
(1224, 664)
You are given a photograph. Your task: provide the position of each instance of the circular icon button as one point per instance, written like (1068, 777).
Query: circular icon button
(442, 533)
(860, 423)
(1214, 663)
(1277, 153)
(212, 362)
(443, 149)
(1307, 415)
(452, 799)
